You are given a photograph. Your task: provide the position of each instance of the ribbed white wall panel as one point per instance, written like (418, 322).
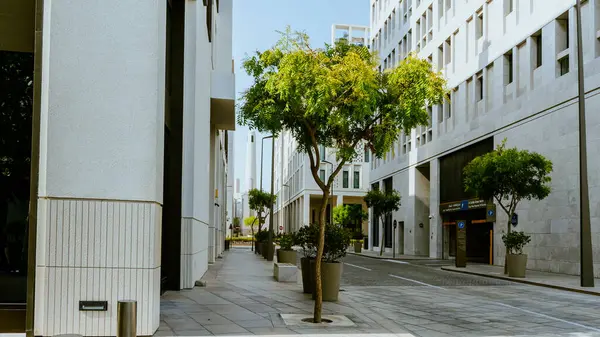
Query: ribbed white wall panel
(96, 250)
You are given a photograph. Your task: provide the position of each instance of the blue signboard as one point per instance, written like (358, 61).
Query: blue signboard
(461, 224)
(490, 212)
(464, 205)
(515, 219)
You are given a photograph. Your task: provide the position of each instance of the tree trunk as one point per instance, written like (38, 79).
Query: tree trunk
(506, 248)
(318, 258)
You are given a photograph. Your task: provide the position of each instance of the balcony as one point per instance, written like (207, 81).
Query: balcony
(222, 100)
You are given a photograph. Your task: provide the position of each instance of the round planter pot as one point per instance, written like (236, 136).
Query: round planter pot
(263, 249)
(331, 275)
(269, 251)
(308, 279)
(286, 256)
(516, 265)
(357, 246)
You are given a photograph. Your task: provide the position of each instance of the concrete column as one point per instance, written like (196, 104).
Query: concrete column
(101, 164)
(435, 223)
(305, 220)
(211, 191)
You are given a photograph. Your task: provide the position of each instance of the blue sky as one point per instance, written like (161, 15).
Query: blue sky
(254, 28)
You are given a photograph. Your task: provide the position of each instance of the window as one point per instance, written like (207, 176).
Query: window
(508, 64)
(322, 152)
(508, 6)
(448, 53)
(448, 104)
(322, 175)
(251, 139)
(479, 87)
(346, 176)
(356, 179)
(479, 25)
(563, 64)
(562, 32)
(366, 155)
(537, 40)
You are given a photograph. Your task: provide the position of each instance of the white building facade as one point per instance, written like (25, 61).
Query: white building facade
(511, 66)
(130, 169)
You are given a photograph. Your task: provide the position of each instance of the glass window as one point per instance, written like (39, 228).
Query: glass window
(322, 175)
(322, 152)
(346, 177)
(356, 179)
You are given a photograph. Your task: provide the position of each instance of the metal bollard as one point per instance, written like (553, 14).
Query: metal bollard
(126, 318)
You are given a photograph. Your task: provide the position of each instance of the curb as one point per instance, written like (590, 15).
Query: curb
(524, 281)
(390, 258)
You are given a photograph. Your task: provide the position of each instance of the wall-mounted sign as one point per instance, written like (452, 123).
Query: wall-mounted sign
(514, 220)
(464, 205)
(461, 243)
(490, 213)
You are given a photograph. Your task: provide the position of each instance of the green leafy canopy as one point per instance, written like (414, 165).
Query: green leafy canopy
(509, 175)
(382, 203)
(334, 96)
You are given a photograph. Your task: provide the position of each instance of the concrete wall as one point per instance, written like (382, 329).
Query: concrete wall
(100, 190)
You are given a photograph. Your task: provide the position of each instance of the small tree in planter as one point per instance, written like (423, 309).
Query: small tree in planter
(286, 254)
(383, 204)
(306, 238)
(508, 176)
(358, 241)
(514, 242)
(251, 222)
(337, 241)
(261, 202)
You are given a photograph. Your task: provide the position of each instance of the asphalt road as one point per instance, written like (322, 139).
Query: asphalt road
(364, 271)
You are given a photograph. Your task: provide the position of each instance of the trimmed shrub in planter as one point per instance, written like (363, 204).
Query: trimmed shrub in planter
(286, 254)
(306, 238)
(517, 261)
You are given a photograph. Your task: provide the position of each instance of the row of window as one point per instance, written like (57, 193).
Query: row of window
(518, 73)
(346, 177)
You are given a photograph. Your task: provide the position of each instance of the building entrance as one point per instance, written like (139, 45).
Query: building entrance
(479, 235)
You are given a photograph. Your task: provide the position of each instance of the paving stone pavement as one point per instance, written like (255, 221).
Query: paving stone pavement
(242, 298)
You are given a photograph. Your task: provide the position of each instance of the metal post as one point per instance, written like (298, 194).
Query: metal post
(586, 265)
(270, 241)
(127, 318)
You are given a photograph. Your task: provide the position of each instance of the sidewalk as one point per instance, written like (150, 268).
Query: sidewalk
(389, 256)
(242, 298)
(550, 280)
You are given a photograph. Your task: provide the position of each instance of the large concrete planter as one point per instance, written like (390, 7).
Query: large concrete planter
(357, 246)
(308, 275)
(516, 265)
(286, 256)
(331, 276)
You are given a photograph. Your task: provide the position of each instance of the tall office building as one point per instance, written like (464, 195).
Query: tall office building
(512, 73)
(130, 101)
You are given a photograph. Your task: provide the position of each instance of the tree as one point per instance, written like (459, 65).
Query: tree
(335, 97)
(383, 204)
(349, 215)
(508, 176)
(251, 222)
(260, 202)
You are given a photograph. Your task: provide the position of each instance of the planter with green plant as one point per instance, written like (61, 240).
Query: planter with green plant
(337, 241)
(286, 254)
(517, 261)
(306, 238)
(358, 241)
(261, 237)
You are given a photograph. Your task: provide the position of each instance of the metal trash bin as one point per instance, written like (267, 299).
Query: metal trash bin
(127, 318)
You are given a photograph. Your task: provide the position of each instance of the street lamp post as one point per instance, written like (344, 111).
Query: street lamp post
(270, 242)
(330, 192)
(585, 233)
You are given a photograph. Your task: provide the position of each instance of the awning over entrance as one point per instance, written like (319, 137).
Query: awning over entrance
(17, 25)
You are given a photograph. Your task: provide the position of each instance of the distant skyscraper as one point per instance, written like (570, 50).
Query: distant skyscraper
(251, 161)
